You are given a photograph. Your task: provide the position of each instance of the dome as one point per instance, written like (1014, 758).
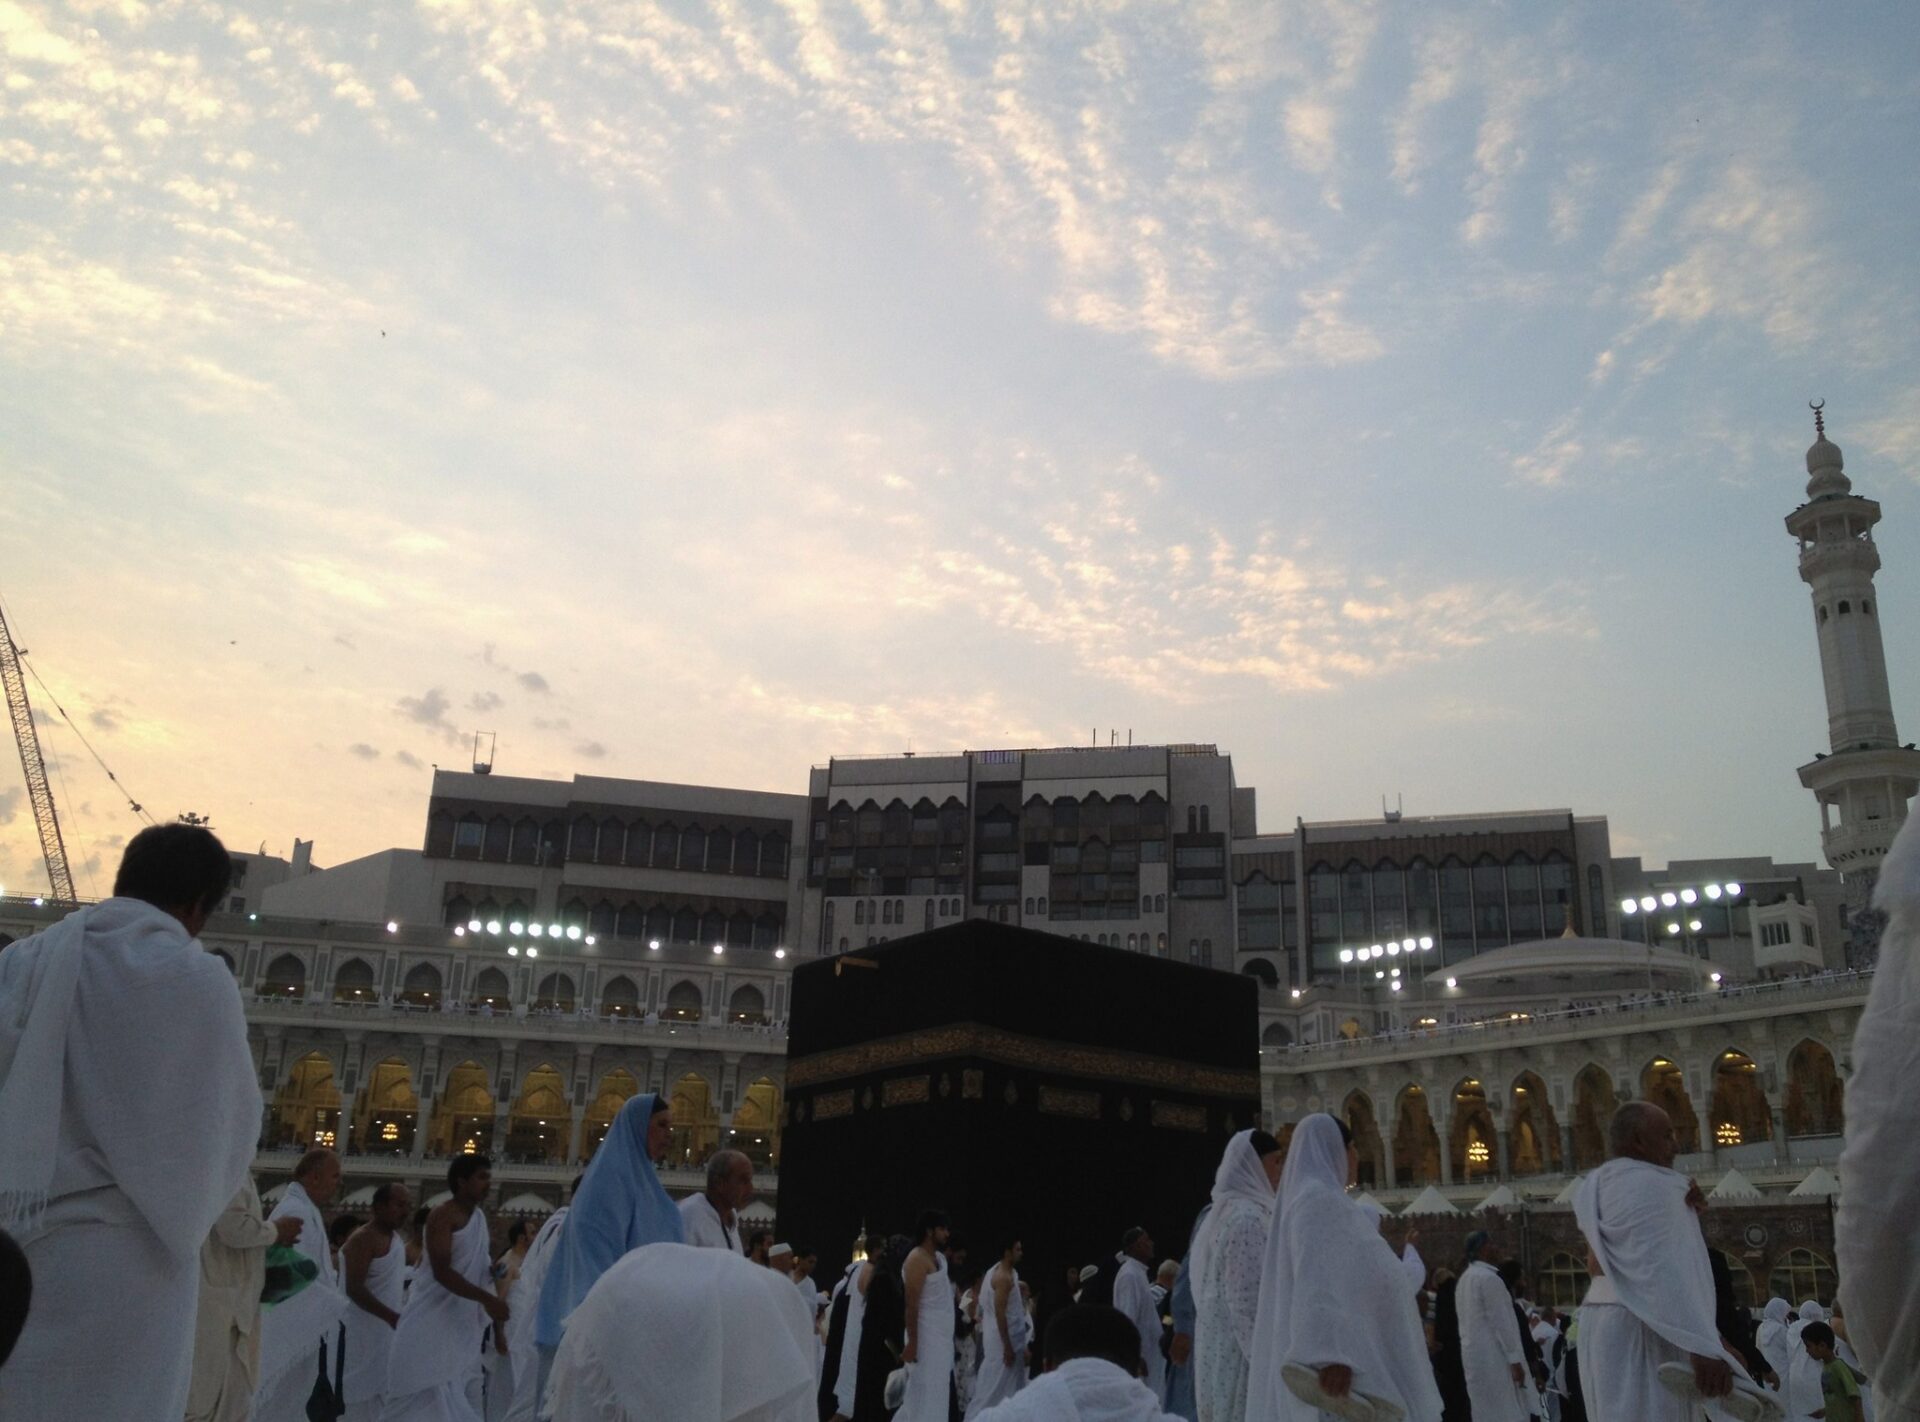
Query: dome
(1825, 463)
(1603, 962)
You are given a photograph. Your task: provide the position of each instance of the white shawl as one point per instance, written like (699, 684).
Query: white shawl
(1241, 1177)
(117, 1022)
(1878, 1249)
(1771, 1338)
(533, 1273)
(1647, 1239)
(1081, 1390)
(438, 1340)
(1333, 1291)
(675, 1331)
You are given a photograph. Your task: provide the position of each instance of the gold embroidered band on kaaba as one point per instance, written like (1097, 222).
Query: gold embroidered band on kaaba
(970, 1039)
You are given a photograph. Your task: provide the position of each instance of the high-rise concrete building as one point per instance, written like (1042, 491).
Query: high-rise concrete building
(1866, 778)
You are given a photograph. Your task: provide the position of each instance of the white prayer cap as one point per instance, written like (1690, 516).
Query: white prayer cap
(1089, 1273)
(778, 1250)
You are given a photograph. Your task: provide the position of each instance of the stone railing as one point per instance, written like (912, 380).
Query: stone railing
(1753, 999)
(401, 1017)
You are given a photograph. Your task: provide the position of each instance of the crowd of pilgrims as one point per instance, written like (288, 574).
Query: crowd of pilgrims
(142, 1279)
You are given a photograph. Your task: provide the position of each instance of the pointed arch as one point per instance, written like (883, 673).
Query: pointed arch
(491, 990)
(1814, 1105)
(462, 1119)
(388, 1110)
(756, 1123)
(353, 982)
(540, 1120)
(616, 1088)
(306, 1108)
(1738, 1113)
(1359, 1116)
(683, 1002)
(285, 978)
(1663, 1084)
(696, 1125)
(1416, 1145)
(421, 986)
(1593, 1107)
(747, 1006)
(555, 993)
(620, 997)
(1472, 1141)
(1533, 1135)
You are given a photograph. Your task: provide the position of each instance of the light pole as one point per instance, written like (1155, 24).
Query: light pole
(1678, 912)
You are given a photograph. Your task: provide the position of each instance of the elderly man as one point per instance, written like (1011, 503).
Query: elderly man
(129, 1109)
(287, 1387)
(711, 1218)
(1651, 1302)
(1878, 1246)
(1133, 1296)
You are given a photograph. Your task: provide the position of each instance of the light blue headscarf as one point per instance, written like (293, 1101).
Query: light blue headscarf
(619, 1206)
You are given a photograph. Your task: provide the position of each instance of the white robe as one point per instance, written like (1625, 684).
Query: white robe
(931, 1376)
(1133, 1296)
(999, 1379)
(704, 1227)
(1653, 1302)
(369, 1338)
(1081, 1390)
(847, 1379)
(1490, 1345)
(226, 1344)
(533, 1273)
(1877, 1244)
(436, 1348)
(293, 1339)
(129, 1111)
(1226, 1301)
(1332, 1291)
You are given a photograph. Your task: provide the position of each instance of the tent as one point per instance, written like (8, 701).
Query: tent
(1430, 1202)
(526, 1205)
(1372, 1206)
(359, 1199)
(272, 1197)
(1565, 1197)
(435, 1201)
(1502, 1198)
(1820, 1181)
(1734, 1186)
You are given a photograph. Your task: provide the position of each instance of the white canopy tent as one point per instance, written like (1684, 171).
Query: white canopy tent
(1734, 1186)
(1431, 1202)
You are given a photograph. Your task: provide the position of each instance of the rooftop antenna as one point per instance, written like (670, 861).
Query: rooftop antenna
(480, 766)
(1819, 408)
(1392, 816)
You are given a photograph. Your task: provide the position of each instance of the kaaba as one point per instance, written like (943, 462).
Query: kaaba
(1033, 1086)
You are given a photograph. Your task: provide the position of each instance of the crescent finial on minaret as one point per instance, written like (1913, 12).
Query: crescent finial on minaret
(1819, 417)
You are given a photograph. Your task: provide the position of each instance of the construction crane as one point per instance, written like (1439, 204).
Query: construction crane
(35, 766)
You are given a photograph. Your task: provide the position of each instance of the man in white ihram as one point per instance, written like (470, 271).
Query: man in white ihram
(128, 1117)
(1879, 1247)
(712, 1217)
(930, 1320)
(1651, 1303)
(1490, 1348)
(302, 1337)
(436, 1348)
(1133, 1296)
(1005, 1331)
(373, 1268)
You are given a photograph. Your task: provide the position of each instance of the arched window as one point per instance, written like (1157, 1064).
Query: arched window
(746, 853)
(1206, 815)
(639, 845)
(1276, 1035)
(1845, 607)
(886, 910)
(582, 839)
(1160, 944)
(468, 837)
(605, 919)
(1741, 1277)
(686, 926)
(286, 977)
(773, 856)
(859, 913)
(693, 848)
(843, 945)
(490, 988)
(1146, 903)
(458, 911)
(1801, 1274)
(555, 993)
(666, 845)
(740, 930)
(354, 982)
(683, 1003)
(526, 841)
(1026, 906)
(929, 913)
(1193, 820)
(1043, 906)
(630, 921)
(421, 987)
(1206, 952)
(1159, 903)
(659, 924)
(713, 927)
(1263, 970)
(499, 836)
(574, 915)
(1823, 614)
(440, 835)
(612, 842)
(747, 1006)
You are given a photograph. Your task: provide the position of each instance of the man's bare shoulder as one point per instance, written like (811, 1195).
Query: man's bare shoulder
(367, 1242)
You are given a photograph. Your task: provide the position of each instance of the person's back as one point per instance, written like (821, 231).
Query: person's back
(1093, 1362)
(129, 1112)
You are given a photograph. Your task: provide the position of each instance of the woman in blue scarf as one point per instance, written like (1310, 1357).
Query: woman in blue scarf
(619, 1206)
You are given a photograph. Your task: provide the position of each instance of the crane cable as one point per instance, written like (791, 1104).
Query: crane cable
(72, 725)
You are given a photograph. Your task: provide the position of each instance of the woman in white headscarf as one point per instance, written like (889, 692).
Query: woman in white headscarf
(1800, 1385)
(672, 1331)
(1333, 1295)
(1226, 1259)
(1771, 1338)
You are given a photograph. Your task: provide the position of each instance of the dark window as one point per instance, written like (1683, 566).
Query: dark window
(526, 841)
(468, 837)
(666, 845)
(440, 834)
(746, 853)
(659, 924)
(1845, 607)
(580, 843)
(639, 844)
(719, 852)
(1596, 903)
(693, 848)
(499, 836)
(613, 842)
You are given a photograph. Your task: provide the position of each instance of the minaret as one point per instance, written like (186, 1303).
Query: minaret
(1864, 783)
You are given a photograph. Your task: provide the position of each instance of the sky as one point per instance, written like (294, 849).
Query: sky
(1404, 398)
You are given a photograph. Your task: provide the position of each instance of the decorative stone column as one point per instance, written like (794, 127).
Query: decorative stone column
(1566, 1149)
(1781, 1150)
(1506, 1157)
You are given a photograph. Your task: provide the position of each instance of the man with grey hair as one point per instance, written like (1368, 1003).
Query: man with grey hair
(1651, 1304)
(712, 1217)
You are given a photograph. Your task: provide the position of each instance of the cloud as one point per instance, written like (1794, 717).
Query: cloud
(363, 750)
(409, 760)
(1553, 457)
(590, 750)
(103, 719)
(552, 723)
(428, 709)
(484, 701)
(534, 682)
(10, 799)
